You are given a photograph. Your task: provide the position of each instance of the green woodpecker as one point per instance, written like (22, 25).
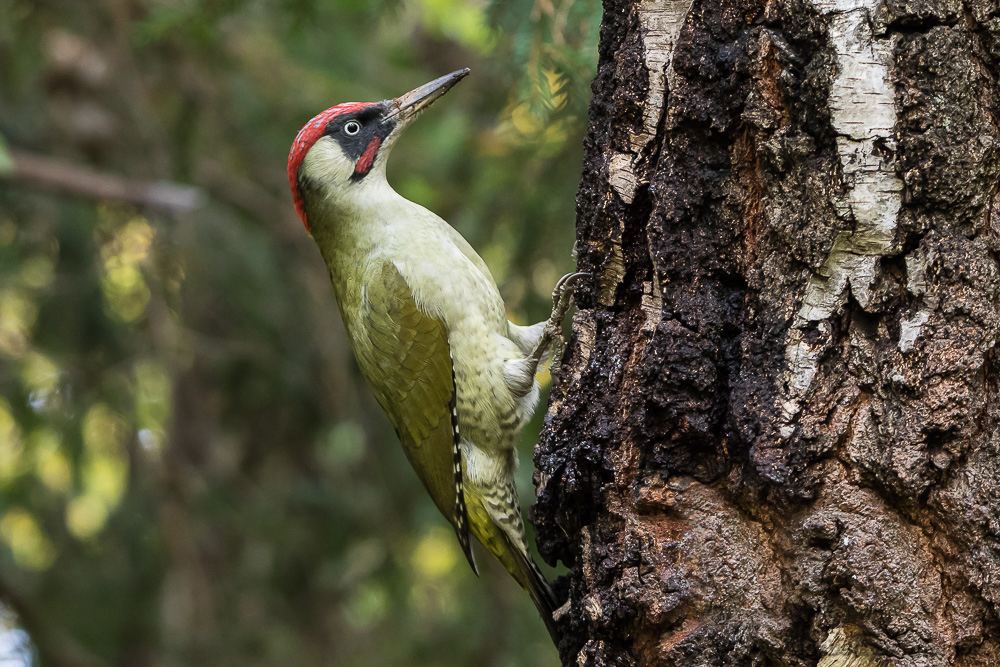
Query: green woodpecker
(427, 325)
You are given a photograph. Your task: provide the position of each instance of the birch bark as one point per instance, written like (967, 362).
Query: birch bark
(775, 439)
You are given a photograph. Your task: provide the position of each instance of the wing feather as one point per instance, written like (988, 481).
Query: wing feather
(405, 357)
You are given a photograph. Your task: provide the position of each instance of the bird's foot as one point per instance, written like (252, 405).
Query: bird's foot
(551, 339)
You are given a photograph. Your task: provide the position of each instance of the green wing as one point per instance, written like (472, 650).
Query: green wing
(404, 355)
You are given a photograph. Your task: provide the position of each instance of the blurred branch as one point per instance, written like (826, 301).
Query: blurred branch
(69, 177)
(241, 193)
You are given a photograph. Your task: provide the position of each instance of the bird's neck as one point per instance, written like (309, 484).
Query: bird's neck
(349, 224)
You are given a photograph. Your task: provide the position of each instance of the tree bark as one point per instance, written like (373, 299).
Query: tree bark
(775, 437)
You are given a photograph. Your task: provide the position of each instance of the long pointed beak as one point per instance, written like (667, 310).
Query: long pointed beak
(406, 107)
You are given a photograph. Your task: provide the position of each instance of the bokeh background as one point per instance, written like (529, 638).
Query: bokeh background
(191, 469)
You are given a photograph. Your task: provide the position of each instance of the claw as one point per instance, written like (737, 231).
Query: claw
(567, 282)
(561, 295)
(551, 338)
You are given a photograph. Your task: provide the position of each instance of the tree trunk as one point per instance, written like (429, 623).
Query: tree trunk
(775, 437)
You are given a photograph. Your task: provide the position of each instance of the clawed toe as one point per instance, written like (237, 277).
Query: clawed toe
(551, 339)
(567, 282)
(562, 294)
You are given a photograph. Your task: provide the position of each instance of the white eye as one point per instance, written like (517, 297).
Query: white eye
(352, 128)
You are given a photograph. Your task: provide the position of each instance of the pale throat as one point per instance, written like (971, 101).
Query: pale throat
(331, 173)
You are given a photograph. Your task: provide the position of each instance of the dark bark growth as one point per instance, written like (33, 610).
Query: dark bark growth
(775, 437)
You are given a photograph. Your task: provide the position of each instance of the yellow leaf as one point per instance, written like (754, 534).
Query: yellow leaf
(31, 549)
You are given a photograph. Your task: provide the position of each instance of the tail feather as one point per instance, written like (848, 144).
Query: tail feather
(541, 594)
(501, 531)
(467, 548)
(519, 563)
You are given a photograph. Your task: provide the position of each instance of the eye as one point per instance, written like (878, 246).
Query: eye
(352, 127)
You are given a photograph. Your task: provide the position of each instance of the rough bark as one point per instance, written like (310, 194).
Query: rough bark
(775, 436)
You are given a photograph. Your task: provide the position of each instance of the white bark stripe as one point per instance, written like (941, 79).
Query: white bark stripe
(863, 113)
(661, 28)
(661, 24)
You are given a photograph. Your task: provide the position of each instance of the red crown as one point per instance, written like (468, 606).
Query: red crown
(304, 140)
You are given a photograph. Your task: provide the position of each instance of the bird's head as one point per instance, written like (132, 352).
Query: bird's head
(344, 148)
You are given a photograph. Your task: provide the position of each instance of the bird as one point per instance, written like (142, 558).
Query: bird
(428, 326)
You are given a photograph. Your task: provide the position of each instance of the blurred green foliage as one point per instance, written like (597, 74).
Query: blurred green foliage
(191, 470)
